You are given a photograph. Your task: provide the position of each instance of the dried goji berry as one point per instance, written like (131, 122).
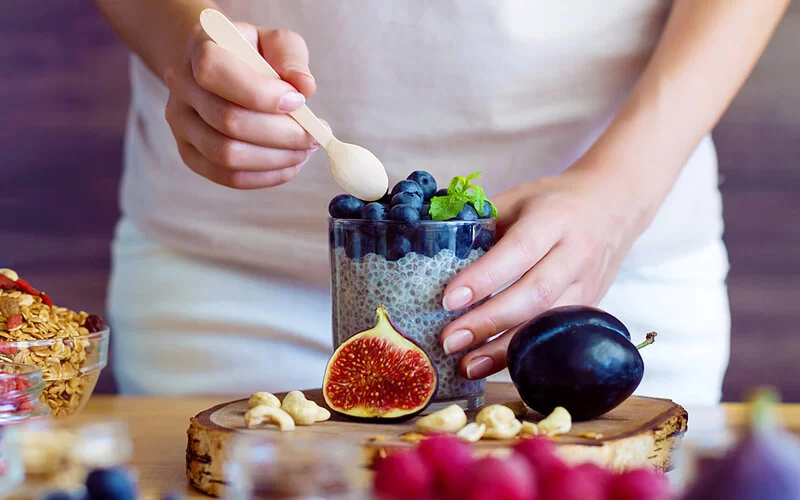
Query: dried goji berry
(26, 405)
(7, 283)
(7, 349)
(14, 321)
(22, 383)
(24, 286)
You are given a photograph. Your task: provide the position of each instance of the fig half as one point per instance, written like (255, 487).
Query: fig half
(379, 374)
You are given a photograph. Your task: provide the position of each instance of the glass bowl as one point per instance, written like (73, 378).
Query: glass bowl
(405, 266)
(70, 367)
(21, 387)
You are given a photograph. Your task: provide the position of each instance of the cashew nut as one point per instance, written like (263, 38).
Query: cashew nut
(450, 419)
(472, 433)
(264, 414)
(10, 274)
(558, 422)
(530, 428)
(518, 407)
(303, 411)
(263, 398)
(500, 422)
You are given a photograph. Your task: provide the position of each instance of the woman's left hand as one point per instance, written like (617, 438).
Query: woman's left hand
(564, 237)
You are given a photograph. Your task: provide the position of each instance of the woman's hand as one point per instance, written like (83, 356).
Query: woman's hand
(231, 124)
(566, 236)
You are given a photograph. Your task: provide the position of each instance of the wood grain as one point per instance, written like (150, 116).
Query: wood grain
(641, 432)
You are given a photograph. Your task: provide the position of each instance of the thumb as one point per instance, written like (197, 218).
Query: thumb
(287, 52)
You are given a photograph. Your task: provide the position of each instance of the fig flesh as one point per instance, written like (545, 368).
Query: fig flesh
(379, 374)
(577, 357)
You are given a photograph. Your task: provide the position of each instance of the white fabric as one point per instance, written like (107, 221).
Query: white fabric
(517, 90)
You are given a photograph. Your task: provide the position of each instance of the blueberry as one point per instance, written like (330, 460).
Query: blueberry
(59, 495)
(404, 213)
(400, 247)
(430, 239)
(424, 212)
(374, 211)
(345, 206)
(353, 244)
(407, 199)
(426, 182)
(386, 199)
(467, 213)
(464, 241)
(486, 211)
(484, 239)
(107, 484)
(407, 186)
(441, 192)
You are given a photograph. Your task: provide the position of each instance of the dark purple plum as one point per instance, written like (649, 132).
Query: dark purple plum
(763, 464)
(404, 213)
(407, 198)
(345, 206)
(577, 357)
(407, 186)
(425, 181)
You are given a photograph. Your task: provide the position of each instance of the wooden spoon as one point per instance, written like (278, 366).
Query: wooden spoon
(356, 170)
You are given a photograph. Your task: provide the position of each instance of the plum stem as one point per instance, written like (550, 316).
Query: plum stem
(649, 339)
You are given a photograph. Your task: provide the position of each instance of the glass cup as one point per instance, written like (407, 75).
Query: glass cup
(405, 267)
(292, 469)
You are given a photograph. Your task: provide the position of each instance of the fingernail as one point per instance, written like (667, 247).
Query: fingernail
(457, 299)
(479, 368)
(302, 73)
(458, 340)
(291, 101)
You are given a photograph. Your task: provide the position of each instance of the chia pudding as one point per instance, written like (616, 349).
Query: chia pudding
(405, 267)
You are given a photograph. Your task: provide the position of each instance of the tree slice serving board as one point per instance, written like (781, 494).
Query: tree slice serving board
(640, 432)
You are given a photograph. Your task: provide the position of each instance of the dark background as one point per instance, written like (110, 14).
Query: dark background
(63, 98)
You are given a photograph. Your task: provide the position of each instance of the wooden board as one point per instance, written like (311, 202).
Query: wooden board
(640, 432)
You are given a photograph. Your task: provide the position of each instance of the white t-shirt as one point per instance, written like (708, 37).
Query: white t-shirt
(517, 90)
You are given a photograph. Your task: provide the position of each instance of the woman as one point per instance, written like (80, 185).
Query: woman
(590, 122)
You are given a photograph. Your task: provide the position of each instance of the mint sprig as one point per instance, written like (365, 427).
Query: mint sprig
(460, 192)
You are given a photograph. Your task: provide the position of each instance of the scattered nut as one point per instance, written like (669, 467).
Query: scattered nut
(450, 419)
(374, 439)
(10, 274)
(500, 422)
(263, 398)
(518, 407)
(413, 437)
(530, 428)
(264, 414)
(591, 435)
(472, 433)
(558, 422)
(303, 411)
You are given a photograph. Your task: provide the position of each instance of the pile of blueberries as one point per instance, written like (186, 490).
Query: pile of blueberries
(115, 483)
(399, 223)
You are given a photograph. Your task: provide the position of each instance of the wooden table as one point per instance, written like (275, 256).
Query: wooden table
(158, 428)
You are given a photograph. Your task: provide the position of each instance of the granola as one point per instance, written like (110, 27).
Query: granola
(56, 339)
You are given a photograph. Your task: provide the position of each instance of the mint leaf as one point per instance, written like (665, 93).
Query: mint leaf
(456, 185)
(447, 207)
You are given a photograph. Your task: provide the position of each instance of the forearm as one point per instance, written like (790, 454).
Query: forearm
(704, 56)
(156, 30)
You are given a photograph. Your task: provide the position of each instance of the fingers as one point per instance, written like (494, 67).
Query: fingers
(487, 359)
(532, 294)
(238, 179)
(515, 253)
(263, 129)
(287, 53)
(218, 71)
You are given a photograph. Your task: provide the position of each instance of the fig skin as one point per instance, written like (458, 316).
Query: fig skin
(577, 357)
(385, 329)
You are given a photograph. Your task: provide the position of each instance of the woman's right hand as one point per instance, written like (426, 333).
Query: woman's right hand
(231, 123)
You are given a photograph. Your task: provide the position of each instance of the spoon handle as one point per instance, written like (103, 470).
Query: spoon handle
(220, 29)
